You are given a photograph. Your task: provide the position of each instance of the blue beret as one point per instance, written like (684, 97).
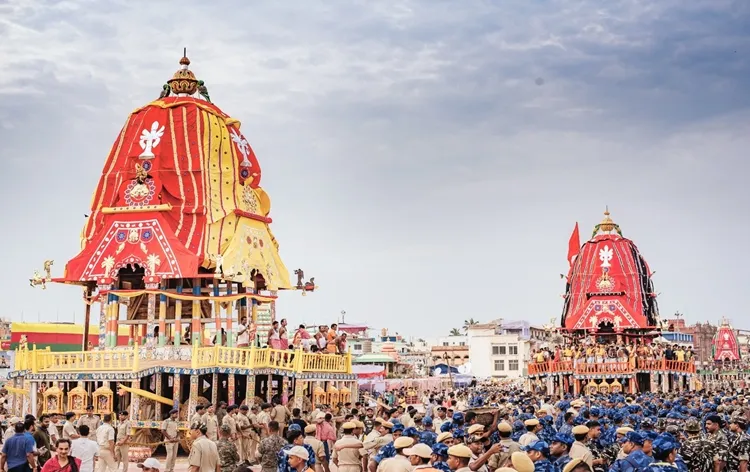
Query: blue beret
(458, 416)
(440, 449)
(634, 437)
(445, 427)
(295, 427)
(665, 443)
(427, 420)
(540, 446)
(410, 432)
(398, 427)
(566, 439)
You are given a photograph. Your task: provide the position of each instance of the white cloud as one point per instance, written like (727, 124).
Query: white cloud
(416, 167)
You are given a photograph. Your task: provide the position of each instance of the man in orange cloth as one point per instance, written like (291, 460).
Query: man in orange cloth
(331, 339)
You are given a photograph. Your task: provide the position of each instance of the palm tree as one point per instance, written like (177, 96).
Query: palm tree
(468, 323)
(455, 332)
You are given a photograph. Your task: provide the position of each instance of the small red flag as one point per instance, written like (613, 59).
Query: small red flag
(574, 245)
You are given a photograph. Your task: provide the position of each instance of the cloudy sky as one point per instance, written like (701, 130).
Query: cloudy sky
(427, 159)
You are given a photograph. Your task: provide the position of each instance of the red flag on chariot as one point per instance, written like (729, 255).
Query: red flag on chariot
(574, 245)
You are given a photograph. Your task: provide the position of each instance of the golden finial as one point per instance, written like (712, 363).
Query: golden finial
(183, 81)
(607, 225)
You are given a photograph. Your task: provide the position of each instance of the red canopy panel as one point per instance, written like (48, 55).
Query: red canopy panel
(129, 240)
(609, 285)
(726, 346)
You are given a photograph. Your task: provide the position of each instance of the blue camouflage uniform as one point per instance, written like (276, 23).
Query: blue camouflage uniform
(283, 458)
(441, 451)
(542, 465)
(389, 450)
(663, 445)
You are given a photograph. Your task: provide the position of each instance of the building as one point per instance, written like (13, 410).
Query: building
(451, 355)
(703, 339)
(501, 349)
(683, 339)
(445, 341)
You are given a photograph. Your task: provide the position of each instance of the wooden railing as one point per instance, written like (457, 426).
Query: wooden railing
(82, 361)
(628, 367)
(127, 360)
(253, 358)
(682, 367)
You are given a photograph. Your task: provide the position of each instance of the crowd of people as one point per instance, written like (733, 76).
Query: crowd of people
(327, 340)
(62, 443)
(487, 428)
(602, 353)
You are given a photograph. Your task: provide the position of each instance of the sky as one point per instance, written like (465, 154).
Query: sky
(427, 160)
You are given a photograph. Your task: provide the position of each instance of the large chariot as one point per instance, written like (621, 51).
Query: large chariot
(179, 258)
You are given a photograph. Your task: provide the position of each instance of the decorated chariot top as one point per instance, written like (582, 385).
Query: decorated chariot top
(725, 345)
(180, 195)
(609, 287)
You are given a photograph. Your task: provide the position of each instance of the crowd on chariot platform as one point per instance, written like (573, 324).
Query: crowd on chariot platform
(602, 353)
(327, 340)
(488, 428)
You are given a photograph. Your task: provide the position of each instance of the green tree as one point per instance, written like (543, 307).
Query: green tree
(468, 323)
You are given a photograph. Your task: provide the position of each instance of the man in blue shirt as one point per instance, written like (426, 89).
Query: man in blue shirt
(18, 451)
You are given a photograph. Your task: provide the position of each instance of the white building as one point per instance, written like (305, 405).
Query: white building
(443, 341)
(501, 349)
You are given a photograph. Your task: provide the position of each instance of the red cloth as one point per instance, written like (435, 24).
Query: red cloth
(53, 465)
(325, 431)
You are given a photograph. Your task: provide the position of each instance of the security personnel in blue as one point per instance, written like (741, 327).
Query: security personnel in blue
(635, 460)
(539, 453)
(295, 437)
(440, 457)
(428, 435)
(387, 451)
(665, 452)
(559, 449)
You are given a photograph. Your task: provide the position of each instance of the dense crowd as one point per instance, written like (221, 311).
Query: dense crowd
(327, 340)
(599, 353)
(487, 428)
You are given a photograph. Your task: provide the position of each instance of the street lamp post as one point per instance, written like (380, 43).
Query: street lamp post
(447, 360)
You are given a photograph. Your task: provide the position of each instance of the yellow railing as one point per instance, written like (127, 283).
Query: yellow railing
(252, 358)
(81, 361)
(127, 360)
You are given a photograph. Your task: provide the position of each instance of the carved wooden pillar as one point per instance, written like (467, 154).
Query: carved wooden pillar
(231, 397)
(195, 329)
(177, 331)
(176, 389)
(250, 390)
